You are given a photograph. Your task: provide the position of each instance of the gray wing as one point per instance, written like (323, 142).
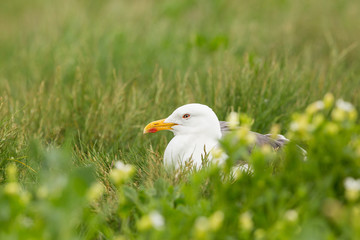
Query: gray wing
(261, 139)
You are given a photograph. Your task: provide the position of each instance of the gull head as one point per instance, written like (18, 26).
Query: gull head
(191, 118)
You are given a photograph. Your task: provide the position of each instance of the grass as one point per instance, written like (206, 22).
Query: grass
(89, 75)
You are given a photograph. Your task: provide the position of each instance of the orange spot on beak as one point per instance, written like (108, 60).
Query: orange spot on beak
(158, 126)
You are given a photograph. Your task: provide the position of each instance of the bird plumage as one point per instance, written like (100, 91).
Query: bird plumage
(195, 135)
(197, 131)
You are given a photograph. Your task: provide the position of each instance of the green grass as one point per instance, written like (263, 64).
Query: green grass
(87, 76)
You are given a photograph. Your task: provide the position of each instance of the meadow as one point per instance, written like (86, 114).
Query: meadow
(80, 79)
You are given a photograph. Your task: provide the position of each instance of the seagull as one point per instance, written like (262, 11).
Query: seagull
(197, 131)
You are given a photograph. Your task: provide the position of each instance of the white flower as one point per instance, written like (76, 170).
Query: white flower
(157, 220)
(352, 184)
(314, 107)
(153, 219)
(344, 111)
(122, 166)
(319, 105)
(346, 106)
(122, 172)
(352, 188)
(294, 126)
(291, 215)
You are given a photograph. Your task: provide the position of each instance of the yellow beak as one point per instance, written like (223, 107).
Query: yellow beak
(158, 125)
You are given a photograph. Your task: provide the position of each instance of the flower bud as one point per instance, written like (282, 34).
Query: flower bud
(12, 188)
(275, 131)
(314, 107)
(216, 220)
(11, 171)
(233, 120)
(338, 114)
(95, 191)
(202, 227)
(246, 222)
(328, 100)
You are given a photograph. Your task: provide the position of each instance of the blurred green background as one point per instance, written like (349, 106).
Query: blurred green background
(101, 70)
(87, 76)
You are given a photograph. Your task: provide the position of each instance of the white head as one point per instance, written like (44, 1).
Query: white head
(191, 118)
(194, 118)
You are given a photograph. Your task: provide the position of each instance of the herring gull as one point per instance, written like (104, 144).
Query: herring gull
(197, 131)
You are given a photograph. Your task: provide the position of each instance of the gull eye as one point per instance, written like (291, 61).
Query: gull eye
(186, 116)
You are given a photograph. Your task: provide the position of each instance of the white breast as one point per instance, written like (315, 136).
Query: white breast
(185, 147)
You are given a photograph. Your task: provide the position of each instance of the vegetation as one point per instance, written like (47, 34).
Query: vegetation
(80, 79)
